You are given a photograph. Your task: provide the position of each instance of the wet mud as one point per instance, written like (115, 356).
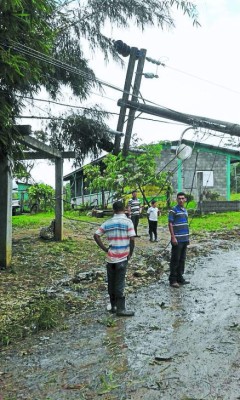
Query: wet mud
(181, 344)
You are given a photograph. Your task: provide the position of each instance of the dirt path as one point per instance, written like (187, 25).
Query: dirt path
(182, 344)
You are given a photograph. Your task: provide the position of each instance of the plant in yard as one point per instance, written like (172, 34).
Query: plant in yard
(42, 196)
(123, 174)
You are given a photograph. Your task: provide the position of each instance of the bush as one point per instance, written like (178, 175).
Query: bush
(211, 195)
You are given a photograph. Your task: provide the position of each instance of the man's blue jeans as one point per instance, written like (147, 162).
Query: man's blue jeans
(116, 273)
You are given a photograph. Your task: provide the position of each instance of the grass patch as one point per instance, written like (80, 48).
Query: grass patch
(38, 314)
(32, 220)
(215, 222)
(37, 265)
(209, 222)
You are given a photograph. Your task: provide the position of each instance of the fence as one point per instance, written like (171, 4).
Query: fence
(218, 206)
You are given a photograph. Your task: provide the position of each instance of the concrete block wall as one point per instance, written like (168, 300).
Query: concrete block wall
(199, 161)
(220, 206)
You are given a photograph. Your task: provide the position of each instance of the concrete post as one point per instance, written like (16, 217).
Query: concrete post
(199, 191)
(5, 213)
(59, 199)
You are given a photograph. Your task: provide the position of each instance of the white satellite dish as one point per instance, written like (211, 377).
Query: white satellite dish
(183, 151)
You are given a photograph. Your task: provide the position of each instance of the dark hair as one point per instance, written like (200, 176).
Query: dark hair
(153, 201)
(118, 206)
(181, 194)
(134, 191)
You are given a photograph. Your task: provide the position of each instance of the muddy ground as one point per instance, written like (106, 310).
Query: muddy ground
(181, 344)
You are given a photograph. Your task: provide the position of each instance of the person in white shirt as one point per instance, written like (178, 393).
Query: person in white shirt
(152, 214)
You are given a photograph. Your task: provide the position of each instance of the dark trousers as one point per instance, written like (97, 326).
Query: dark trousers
(116, 279)
(152, 229)
(135, 221)
(177, 262)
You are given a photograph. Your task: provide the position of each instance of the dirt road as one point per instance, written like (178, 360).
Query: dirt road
(182, 344)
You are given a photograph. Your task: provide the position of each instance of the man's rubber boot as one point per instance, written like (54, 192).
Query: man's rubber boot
(121, 308)
(113, 304)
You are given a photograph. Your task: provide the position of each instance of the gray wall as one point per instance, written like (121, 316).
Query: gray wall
(200, 161)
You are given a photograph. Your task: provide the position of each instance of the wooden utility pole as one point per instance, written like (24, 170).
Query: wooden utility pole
(135, 93)
(126, 91)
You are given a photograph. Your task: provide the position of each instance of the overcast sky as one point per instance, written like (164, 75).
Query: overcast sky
(201, 75)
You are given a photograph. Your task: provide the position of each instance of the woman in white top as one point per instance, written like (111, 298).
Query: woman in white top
(152, 214)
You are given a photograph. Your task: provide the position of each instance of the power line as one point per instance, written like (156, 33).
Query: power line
(83, 108)
(53, 61)
(31, 52)
(202, 79)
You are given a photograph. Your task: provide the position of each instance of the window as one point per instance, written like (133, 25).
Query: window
(207, 178)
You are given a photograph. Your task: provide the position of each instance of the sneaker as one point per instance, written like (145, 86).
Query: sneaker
(156, 240)
(175, 284)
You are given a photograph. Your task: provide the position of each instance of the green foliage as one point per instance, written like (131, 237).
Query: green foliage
(41, 195)
(210, 195)
(84, 132)
(67, 197)
(215, 222)
(22, 23)
(41, 314)
(41, 46)
(124, 174)
(22, 170)
(189, 197)
(235, 197)
(110, 322)
(35, 220)
(235, 178)
(107, 383)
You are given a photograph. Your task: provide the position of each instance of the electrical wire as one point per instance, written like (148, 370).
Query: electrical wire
(202, 79)
(53, 61)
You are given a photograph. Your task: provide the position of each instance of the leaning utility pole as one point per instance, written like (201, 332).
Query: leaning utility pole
(192, 120)
(135, 93)
(126, 91)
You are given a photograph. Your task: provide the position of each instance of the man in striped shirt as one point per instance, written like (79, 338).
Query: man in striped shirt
(134, 210)
(120, 234)
(179, 230)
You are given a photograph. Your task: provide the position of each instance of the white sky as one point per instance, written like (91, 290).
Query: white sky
(210, 52)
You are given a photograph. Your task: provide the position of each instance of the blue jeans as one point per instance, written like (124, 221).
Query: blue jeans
(177, 262)
(116, 273)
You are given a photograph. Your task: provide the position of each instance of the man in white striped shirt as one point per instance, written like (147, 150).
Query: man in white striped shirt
(134, 210)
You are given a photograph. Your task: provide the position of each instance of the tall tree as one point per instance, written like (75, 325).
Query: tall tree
(41, 46)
